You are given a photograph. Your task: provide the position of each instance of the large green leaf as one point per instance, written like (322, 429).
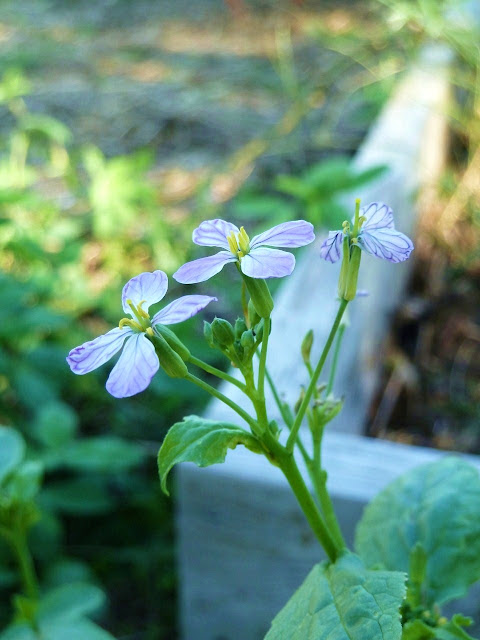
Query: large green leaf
(343, 601)
(12, 449)
(102, 454)
(438, 506)
(201, 441)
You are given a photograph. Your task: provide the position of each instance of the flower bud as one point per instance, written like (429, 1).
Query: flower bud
(207, 332)
(222, 332)
(342, 280)
(260, 295)
(247, 340)
(170, 361)
(240, 327)
(173, 341)
(307, 346)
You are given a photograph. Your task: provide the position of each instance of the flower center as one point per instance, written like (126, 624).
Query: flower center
(143, 319)
(239, 243)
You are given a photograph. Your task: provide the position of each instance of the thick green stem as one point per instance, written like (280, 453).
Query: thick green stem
(219, 395)
(319, 480)
(289, 467)
(313, 382)
(217, 372)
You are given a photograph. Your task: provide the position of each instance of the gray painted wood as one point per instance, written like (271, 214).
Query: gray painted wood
(243, 544)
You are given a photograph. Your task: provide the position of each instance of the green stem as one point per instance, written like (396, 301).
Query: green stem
(319, 480)
(219, 395)
(289, 467)
(333, 368)
(19, 545)
(285, 416)
(217, 372)
(263, 357)
(311, 387)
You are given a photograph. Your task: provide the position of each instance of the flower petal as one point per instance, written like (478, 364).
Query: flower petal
(203, 268)
(135, 368)
(331, 249)
(288, 234)
(378, 216)
(263, 262)
(388, 244)
(213, 233)
(147, 286)
(182, 309)
(91, 355)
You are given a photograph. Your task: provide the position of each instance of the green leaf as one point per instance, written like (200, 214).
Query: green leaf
(343, 601)
(56, 424)
(438, 506)
(75, 630)
(103, 454)
(87, 495)
(12, 450)
(417, 630)
(70, 602)
(25, 483)
(201, 441)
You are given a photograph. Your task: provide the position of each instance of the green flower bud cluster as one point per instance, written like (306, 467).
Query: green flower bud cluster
(237, 342)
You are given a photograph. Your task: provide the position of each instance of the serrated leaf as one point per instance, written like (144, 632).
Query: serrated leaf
(201, 441)
(12, 449)
(437, 505)
(343, 601)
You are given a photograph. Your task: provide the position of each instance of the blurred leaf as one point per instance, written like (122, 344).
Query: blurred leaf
(438, 506)
(13, 85)
(102, 454)
(70, 601)
(56, 424)
(77, 496)
(201, 441)
(259, 207)
(67, 570)
(24, 484)
(12, 450)
(45, 125)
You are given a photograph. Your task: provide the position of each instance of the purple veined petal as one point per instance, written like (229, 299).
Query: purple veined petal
(331, 249)
(135, 368)
(378, 216)
(388, 244)
(203, 268)
(148, 286)
(213, 233)
(182, 309)
(288, 234)
(91, 355)
(263, 262)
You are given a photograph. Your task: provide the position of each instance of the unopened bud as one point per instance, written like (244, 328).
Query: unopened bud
(222, 332)
(260, 295)
(240, 327)
(172, 339)
(247, 340)
(207, 332)
(307, 346)
(253, 317)
(170, 361)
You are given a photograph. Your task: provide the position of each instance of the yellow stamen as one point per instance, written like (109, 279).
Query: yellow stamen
(143, 313)
(361, 221)
(128, 322)
(243, 241)
(150, 331)
(232, 243)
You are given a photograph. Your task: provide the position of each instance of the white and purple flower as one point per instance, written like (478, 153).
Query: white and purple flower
(377, 236)
(254, 257)
(138, 362)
